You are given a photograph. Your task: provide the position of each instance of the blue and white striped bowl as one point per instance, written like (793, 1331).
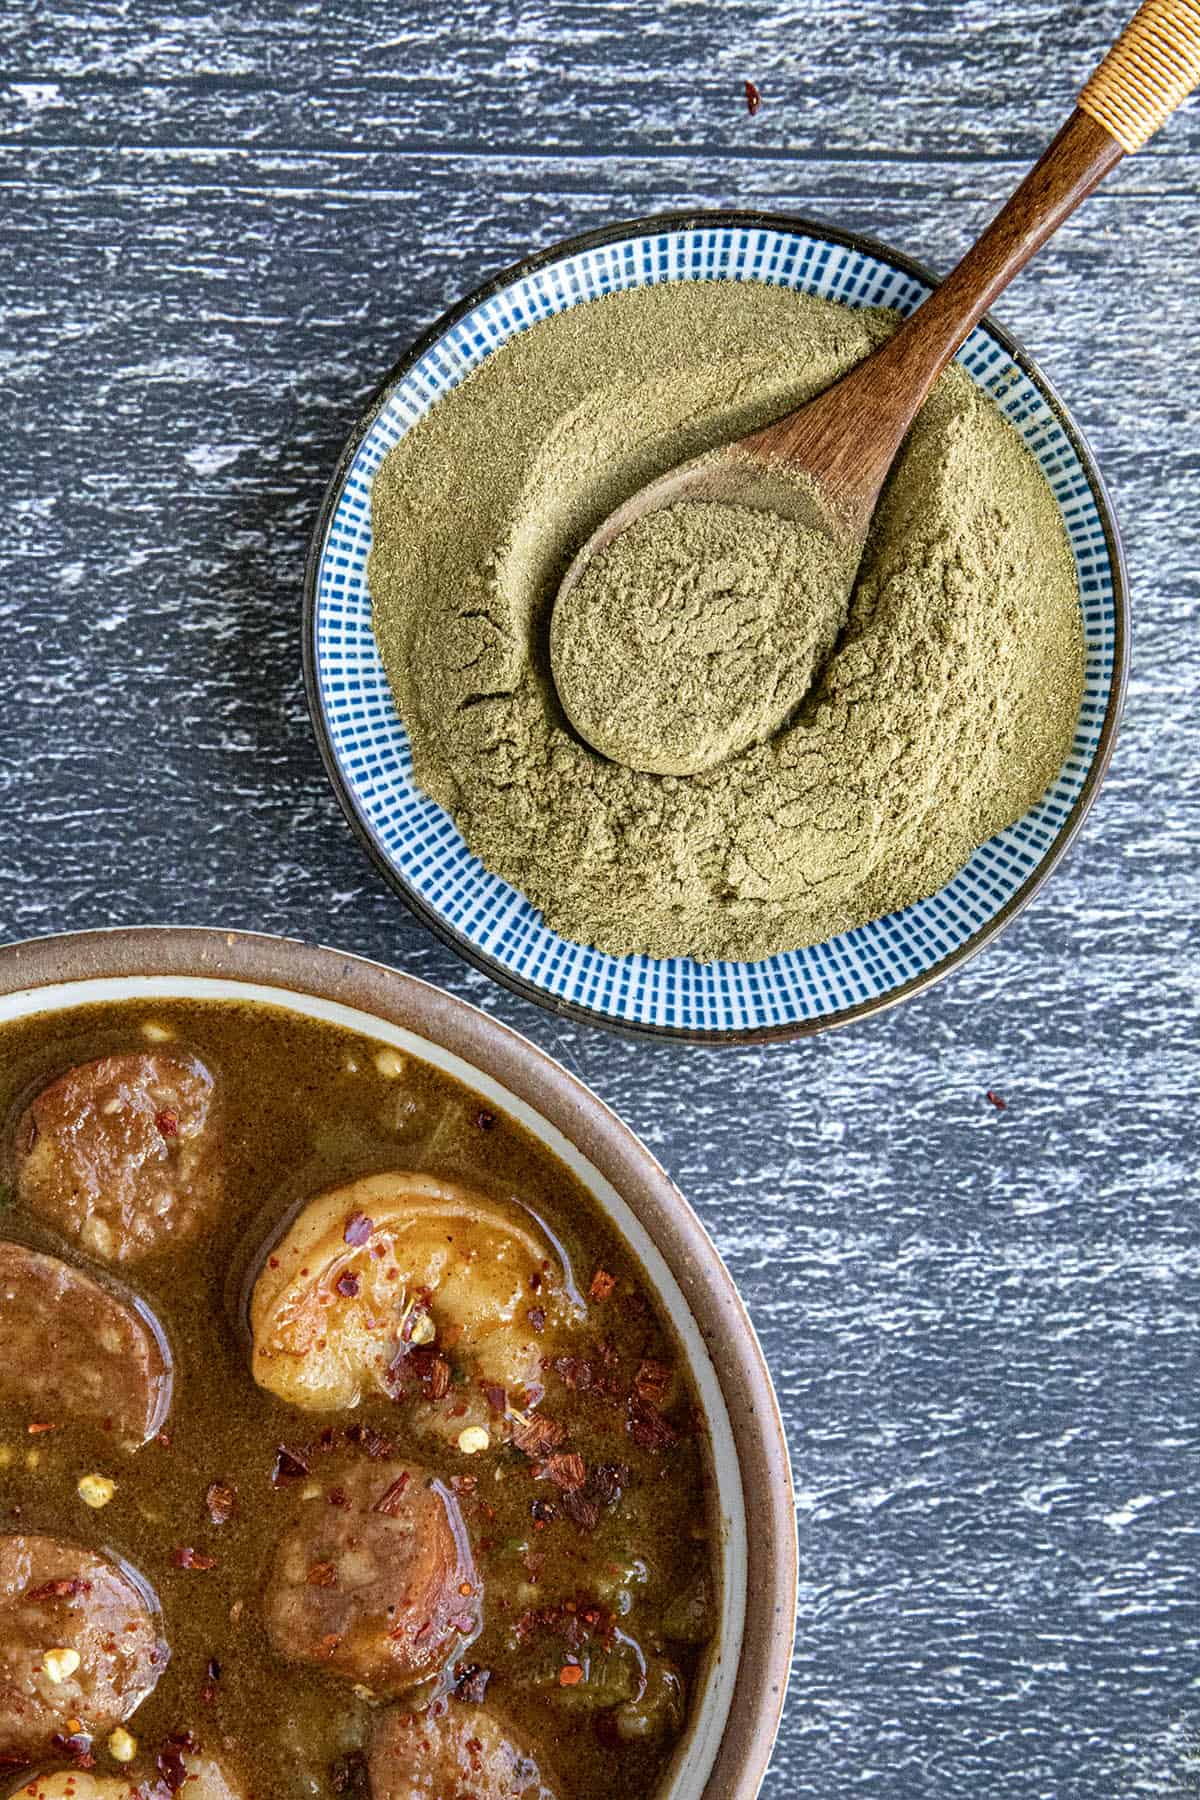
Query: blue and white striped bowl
(417, 845)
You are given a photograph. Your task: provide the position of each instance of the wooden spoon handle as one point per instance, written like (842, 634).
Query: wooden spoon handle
(1150, 70)
(1153, 66)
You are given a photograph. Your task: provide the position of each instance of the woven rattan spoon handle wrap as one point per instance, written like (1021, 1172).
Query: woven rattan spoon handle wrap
(1150, 70)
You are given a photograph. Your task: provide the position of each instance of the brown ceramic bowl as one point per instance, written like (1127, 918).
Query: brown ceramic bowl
(726, 1749)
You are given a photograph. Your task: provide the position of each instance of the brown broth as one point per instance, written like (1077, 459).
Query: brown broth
(306, 1108)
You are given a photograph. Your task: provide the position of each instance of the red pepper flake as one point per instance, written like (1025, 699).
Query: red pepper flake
(184, 1557)
(290, 1465)
(165, 1438)
(602, 1285)
(169, 1761)
(535, 1282)
(37, 1426)
(365, 1437)
(570, 1675)
(328, 1644)
(272, 1262)
(566, 1469)
(484, 1119)
(496, 1398)
(77, 1746)
(574, 1373)
(347, 1284)
(538, 1434)
(753, 98)
(389, 1503)
(464, 1484)
(338, 1496)
(582, 1510)
(537, 1317)
(652, 1381)
(997, 1100)
(358, 1229)
(472, 1683)
(221, 1501)
(168, 1123)
(647, 1427)
(322, 1574)
(65, 1588)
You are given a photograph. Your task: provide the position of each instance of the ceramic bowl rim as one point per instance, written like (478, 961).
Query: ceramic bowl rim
(559, 1098)
(716, 218)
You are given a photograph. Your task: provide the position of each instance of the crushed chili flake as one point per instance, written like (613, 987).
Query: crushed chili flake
(338, 1497)
(221, 1501)
(997, 1100)
(471, 1685)
(542, 1512)
(648, 1428)
(389, 1503)
(168, 1123)
(753, 98)
(602, 1285)
(485, 1119)
(535, 1281)
(63, 1589)
(322, 1574)
(290, 1465)
(496, 1398)
(165, 1439)
(76, 1745)
(358, 1229)
(329, 1643)
(184, 1557)
(538, 1434)
(347, 1284)
(574, 1372)
(365, 1437)
(37, 1426)
(570, 1675)
(582, 1509)
(169, 1761)
(537, 1317)
(464, 1484)
(566, 1469)
(652, 1381)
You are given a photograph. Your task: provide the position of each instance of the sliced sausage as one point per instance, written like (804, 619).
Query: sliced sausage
(123, 1156)
(73, 1347)
(205, 1780)
(465, 1751)
(373, 1271)
(374, 1579)
(78, 1641)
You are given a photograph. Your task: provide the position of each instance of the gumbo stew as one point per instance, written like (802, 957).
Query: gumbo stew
(343, 1447)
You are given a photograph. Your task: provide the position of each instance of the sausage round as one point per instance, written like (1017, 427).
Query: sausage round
(206, 1780)
(57, 1597)
(467, 1750)
(123, 1155)
(71, 1346)
(374, 1579)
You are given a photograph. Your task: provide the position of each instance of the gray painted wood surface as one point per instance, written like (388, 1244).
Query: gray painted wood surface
(218, 225)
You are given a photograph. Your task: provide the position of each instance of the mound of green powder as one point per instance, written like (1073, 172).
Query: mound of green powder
(696, 633)
(939, 712)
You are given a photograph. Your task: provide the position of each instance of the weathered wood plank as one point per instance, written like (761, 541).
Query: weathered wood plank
(981, 77)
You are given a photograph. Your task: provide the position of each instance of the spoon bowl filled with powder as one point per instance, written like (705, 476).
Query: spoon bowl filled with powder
(737, 781)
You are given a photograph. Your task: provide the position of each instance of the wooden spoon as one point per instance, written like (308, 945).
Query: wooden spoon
(831, 456)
